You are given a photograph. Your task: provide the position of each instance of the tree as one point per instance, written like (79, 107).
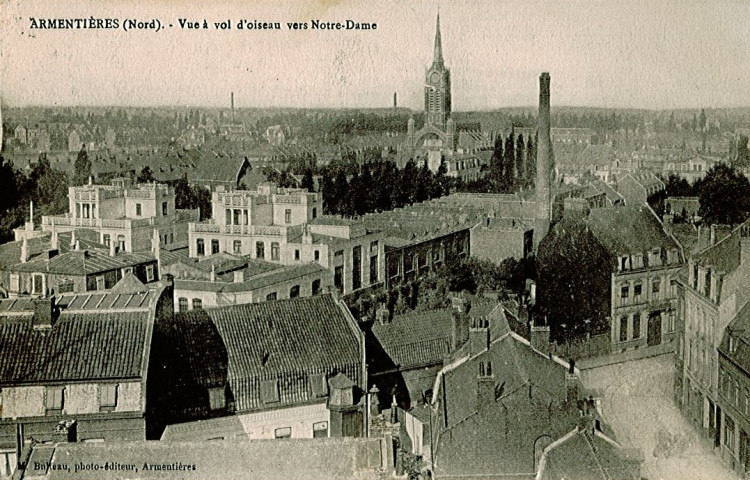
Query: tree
(8, 186)
(509, 163)
(520, 161)
(308, 182)
(146, 175)
(678, 187)
(573, 281)
(530, 162)
(82, 168)
(724, 196)
(190, 197)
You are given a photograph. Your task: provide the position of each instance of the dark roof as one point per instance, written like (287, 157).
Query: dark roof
(79, 346)
(739, 329)
(586, 455)
(324, 459)
(725, 255)
(267, 340)
(422, 338)
(83, 262)
(628, 230)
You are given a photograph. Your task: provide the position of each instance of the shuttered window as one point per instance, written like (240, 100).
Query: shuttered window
(269, 391)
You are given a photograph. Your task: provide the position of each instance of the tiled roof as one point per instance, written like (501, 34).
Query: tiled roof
(628, 230)
(271, 340)
(79, 346)
(725, 255)
(739, 328)
(83, 262)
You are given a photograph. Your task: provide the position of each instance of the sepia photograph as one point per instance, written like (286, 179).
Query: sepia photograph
(373, 240)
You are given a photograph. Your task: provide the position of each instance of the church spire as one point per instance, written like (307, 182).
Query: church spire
(438, 55)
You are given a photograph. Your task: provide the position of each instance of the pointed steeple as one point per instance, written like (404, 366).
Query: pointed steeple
(437, 57)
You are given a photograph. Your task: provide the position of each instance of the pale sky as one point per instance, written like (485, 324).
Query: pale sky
(655, 54)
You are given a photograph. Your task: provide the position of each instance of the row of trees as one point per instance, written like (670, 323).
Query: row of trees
(379, 186)
(512, 167)
(723, 194)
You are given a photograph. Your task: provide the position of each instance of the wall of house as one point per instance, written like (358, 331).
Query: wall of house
(497, 245)
(299, 419)
(80, 398)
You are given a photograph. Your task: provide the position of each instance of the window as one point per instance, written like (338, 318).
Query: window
(200, 247)
(138, 210)
(285, 432)
(149, 273)
(217, 398)
(214, 246)
(318, 385)
(106, 239)
(314, 212)
(182, 304)
(729, 433)
(269, 391)
(625, 291)
(316, 255)
(356, 267)
(338, 254)
(107, 397)
(637, 290)
(260, 250)
(338, 277)
(374, 247)
(100, 282)
(296, 254)
(274, 250)
(237, 217)
(636, 325)
(288, 215)
(271, 296)
(237, 247)
(54, 400)
(294, 292)
(14, 283)
(320, 430)
(316, 287)
(197, 303)
(121, 243)
(656, 285)
(623, 329)
(228, 216)
(736, 392)
(164, 208)
(373, 269)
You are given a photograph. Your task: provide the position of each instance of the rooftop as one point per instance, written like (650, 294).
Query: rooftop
(624, 230)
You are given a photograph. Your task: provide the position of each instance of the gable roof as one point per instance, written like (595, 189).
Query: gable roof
(266, 341)
(83, 262)
(80, 345)
(628, 230)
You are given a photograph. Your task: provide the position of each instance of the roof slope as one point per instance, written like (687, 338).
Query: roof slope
(269, 340)
(79, 346)
(628, 230)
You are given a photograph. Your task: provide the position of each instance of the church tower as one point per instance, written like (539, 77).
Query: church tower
(437, 90)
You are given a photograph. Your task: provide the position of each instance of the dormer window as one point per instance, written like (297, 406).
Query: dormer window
(217, 398)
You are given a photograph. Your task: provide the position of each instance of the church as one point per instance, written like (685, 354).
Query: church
(437, 141)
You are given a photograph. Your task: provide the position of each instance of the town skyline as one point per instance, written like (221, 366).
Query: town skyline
(641, 56)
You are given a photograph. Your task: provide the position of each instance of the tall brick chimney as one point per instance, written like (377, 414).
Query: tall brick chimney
(543, 167)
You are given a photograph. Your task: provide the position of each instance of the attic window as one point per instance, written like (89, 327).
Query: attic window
(318, 385)
(217, 398)
(54, 400)
(14, 283)
(269, 391)
(107, 397)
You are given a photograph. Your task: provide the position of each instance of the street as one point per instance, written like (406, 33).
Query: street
(637, 404)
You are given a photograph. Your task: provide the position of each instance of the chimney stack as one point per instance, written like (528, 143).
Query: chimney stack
(112, 248)
(543, 167)
(25, 250)
(573, 383)
(44, 313)
(459, 329)
(232, 98)
(485, 387)
(540, 337)
(395, 100)
(479, 335)
(73, 240)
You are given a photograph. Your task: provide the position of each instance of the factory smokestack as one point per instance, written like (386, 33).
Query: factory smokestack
(543, 160)
(395, 100)
(232, 107)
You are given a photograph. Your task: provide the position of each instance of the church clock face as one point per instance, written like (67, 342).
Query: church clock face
(435, 77)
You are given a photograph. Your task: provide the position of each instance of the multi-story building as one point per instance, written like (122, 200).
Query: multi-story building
(289, 368)
(284, 226)
(75, 367)
(125, 214)
(715, 290)
(734, 391)
(643, 293)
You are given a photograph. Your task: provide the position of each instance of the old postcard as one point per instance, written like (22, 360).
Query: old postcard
(369, 240)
